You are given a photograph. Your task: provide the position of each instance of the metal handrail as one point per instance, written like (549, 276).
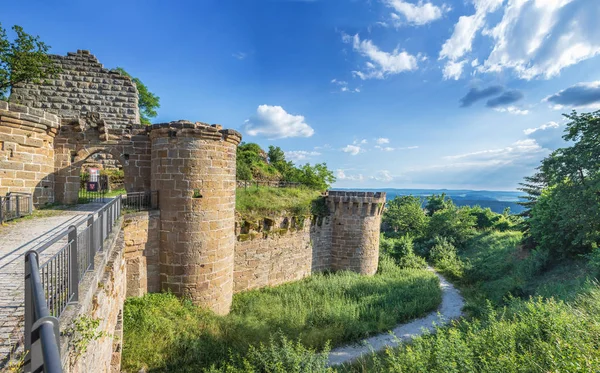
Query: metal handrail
(8, 212)
(52, 286)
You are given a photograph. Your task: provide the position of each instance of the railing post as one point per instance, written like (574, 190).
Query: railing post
(2, 203)
(29, 316)
(73, 264)
(18, 198)
(100, 217)
(90, 224)
(30, 204)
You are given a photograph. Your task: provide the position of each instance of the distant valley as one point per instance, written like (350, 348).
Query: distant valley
(497, 201)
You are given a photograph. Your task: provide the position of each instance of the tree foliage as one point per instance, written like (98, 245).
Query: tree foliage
(23, 60)
(253, 163)
(564, 196)
(437, 202)
(404, 215)
(148, 102)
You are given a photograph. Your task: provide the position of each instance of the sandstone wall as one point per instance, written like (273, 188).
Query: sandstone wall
(290, 250)
(142, 244)
(27, 151)
(193, 170)
(83, 87)
(356, 225)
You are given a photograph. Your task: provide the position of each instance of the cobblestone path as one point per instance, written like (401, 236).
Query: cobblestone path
(16, 238)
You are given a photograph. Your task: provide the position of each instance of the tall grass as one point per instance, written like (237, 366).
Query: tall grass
(255, 202)
(163, 333)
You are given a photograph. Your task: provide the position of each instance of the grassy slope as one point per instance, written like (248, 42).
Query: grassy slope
(530, 316)
(166, 334)
(255, 202)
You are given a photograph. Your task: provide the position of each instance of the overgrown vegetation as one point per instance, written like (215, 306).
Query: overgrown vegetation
(23, 60)
(164, 333)
(253, 163)
(257, 202)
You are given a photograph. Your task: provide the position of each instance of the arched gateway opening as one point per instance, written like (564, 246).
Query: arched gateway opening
(101, 177)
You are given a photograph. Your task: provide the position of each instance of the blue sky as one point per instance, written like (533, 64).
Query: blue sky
(389, 93)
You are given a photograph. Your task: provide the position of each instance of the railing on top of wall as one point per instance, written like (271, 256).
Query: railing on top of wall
(52, 286)
(15, 205)
(267, 183)
(141, 201)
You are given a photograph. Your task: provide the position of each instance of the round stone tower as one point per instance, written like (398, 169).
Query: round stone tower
(193, 170)
(355, 236)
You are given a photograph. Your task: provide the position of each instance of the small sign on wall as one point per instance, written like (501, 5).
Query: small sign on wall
(93, 184)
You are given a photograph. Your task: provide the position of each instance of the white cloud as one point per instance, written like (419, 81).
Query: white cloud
(341, 175)
(240, 55)
(274, 122)
(352, 149)
(383, 175)
(385, 148)
(363, 141)
(381, 64)
(540, 38)
(507, 154)
(512, 110)
(343, 85)
(300, 155)
(409, 148)
(382, 140)
(453, 70)
(466, 28)
(416, 14)
(544, 126)
(475, 63)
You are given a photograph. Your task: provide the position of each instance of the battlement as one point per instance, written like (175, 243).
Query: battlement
(356, 203)
(184, 128)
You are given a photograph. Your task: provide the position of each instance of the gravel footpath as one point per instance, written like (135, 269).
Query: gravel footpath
(450, 308)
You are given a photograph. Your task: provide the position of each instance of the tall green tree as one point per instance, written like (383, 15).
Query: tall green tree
(23, 60)
(148, 102)
(437, 202)
(404, 215)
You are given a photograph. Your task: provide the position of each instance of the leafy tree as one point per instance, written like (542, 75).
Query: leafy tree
(436, 203)
(317, 177)
(148, 102)
(275, 155)
(24, 60)
(404, 215)
(455, 224)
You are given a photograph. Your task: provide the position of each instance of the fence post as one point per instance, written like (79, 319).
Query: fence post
(18, 198)
(2, 203)
(100, 217)
(73, 264)
(29, 316)
(90, 224)
(30, 204)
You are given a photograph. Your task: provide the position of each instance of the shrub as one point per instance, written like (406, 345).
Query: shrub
(402, 251)
(444, 257)
(455, 224)
(280, 355)
(404, 215)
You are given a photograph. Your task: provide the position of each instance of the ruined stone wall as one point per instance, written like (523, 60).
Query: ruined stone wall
(291, 249)
(193, 170)
(142, 245)
(356, 225)
(27, 151)
(83, 87)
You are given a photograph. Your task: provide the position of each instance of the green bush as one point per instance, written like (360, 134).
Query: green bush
(279, 356)
(402, 252)
(445, 258)
(455, 224)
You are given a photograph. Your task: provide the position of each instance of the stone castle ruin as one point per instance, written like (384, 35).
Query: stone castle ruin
(194, 245)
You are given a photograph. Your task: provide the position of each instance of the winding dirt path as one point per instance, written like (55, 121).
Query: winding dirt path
(450, 308)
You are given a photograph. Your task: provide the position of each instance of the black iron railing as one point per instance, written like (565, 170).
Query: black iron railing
(267, 183)
(52, 286)
(141, 201)
(15, 205)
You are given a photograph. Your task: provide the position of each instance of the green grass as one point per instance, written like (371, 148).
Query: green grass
(163, 333)
(253, 202)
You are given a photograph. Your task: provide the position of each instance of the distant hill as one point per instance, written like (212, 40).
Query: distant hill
(497, 201)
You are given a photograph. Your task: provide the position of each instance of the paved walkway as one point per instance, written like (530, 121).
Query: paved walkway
(451, 308)
(16, 238)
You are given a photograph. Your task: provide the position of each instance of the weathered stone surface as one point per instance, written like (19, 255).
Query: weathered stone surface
(84, 87)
